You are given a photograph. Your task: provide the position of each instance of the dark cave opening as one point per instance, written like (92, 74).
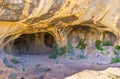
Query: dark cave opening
(31, 44)
(49, 42)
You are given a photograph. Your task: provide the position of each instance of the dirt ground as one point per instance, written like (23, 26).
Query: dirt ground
(41, 67)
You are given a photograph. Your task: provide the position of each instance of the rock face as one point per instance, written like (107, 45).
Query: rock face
(110, 73)
(66, 20)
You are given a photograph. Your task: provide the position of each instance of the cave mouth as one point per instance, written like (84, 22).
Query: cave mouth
(83, 33)
(31, 44)
(90, 35)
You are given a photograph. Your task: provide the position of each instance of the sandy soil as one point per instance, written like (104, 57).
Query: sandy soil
(41, 67)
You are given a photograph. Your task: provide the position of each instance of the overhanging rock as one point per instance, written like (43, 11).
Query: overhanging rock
(60, 18)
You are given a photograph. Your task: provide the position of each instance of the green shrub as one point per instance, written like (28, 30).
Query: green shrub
(100, 48)
(115, 60)
(117, 47)
(56, 52)
(98, 42)
(62, 51)
(14, 60)
(81, 45)
(53, 55)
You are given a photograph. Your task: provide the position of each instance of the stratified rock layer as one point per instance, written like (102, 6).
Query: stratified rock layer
(63, 19)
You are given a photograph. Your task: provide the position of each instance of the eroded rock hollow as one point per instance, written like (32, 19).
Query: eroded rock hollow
(35, 26)
(37, 43)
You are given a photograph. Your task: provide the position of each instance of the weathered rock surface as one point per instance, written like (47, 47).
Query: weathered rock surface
(58, 16)
(110, 73)
(40, 26)
(66, 20)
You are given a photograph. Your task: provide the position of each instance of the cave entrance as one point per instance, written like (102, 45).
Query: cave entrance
(83, 33)
(32, 44)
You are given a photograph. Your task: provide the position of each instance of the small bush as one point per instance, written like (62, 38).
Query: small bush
(62, 51)
(117, 47)
(53, 56)
(98, 42)
(55, 52)
(81, 45)
(14, 60)
(100, 48)
(115, 60)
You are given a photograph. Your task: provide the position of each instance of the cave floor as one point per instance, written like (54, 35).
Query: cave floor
(41, 67)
